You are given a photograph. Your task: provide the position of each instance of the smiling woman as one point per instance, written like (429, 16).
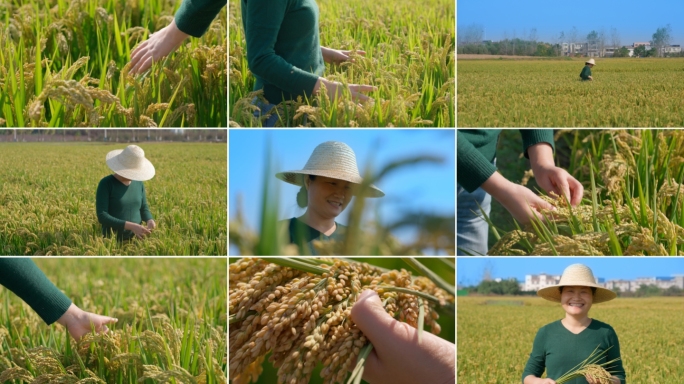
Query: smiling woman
(564, 345)
(328, 181)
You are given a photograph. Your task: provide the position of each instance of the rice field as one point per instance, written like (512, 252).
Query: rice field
(495, 341)
(171, 329)
(47, 199)
(633, 203)
(63, 64)
(625, 92)
(410, 57)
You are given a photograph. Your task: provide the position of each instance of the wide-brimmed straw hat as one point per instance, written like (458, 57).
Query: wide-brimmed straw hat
(130, 163)
(590, 61)
(331, 159)
(581, 275)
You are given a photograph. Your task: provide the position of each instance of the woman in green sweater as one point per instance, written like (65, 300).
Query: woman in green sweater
(562, 345)
(285, 55)
(327, 183)
(23, 277)
(121, 201)
(192, 19)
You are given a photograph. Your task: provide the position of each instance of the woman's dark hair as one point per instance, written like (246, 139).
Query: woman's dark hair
(303, 195)
(593, 290)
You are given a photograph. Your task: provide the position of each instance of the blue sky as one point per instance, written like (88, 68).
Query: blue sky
(469, 269)
(634, 20)
(423, 187)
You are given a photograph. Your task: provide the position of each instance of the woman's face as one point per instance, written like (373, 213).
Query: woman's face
(329, 197)
(577, 300)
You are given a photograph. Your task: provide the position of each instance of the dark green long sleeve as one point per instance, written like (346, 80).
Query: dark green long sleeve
(195, 16)
(476, 149)
(23, 277)
(586, 72)
(116, 204)
(558, 350)
(283, 48)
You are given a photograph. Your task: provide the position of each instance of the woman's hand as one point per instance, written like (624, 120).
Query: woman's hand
(151, 225)
(335, 56)
(137, 229)
(397, 356)
(335, 88)
(552, 178)
(79, 322)
(158, 45)
(520, 201)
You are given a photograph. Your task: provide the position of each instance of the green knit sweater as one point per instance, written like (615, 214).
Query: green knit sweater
(23, 277)
(558, 350)
(476, 149)
(302, 235)
(283, 48)
(195, 16)
(116, 204)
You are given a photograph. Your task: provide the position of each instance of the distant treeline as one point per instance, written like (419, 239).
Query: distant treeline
(519, 47)
(511, 287)
(513, 47)
(113, 135)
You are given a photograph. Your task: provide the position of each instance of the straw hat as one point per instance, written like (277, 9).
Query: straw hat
(130, 163)
(577, 274)
(590, 61)
(331, 159)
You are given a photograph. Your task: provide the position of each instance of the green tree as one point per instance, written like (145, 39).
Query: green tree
(661, 39)
(622, 52)
(640, 51)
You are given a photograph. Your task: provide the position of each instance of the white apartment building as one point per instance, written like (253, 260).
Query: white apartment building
(537, 282)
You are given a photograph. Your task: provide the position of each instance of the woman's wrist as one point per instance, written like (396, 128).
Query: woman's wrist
(69, 316)
(176, 35)
(541, 155)
(496, 185)
(131, 226)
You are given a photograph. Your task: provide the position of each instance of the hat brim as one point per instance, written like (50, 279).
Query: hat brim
(552, 293)
(143, 173)
(297, 178)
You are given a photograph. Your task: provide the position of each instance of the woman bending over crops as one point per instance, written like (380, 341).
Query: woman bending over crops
(560, 347)
(23, 277)
(121, 202)
(328, 181)
(585, 75)
(478, 181)
(285, 55)
(192, 19)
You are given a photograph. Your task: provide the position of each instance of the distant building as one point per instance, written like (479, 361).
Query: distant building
(660, 282)
(638, 44)
(537, 282)
(569, 49)
(672, 49)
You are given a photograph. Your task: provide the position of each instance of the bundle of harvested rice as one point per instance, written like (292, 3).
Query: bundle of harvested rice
(299, 310)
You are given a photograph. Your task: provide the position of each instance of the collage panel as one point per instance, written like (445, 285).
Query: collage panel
(569, 319)
(322, 63)
(94, 192)
(583, 192)
(349, 192)
(114, 63)
(120, 320)
(338, 320)
(532, 64)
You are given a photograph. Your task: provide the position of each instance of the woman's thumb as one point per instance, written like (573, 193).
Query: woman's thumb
(376, 324)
